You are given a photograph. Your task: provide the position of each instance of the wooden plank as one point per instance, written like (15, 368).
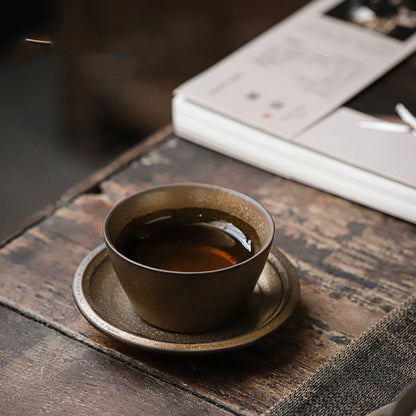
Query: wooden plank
(355, 265)
(43, 371)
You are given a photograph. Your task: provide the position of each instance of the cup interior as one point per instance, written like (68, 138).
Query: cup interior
(180, 196)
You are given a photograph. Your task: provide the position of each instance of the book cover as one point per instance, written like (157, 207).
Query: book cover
(302, 100)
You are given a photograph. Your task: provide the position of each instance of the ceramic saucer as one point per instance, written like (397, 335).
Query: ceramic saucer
(104, 304)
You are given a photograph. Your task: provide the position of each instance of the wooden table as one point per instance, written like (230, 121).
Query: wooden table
(354, 264)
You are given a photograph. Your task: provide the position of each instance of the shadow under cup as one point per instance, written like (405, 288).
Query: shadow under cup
(188, 301)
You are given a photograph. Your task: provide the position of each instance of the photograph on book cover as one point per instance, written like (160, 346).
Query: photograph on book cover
(395, 18)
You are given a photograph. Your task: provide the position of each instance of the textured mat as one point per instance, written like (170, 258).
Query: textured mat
(365, 375)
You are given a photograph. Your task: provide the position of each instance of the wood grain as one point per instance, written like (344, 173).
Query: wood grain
(44, 372)
(355, 265)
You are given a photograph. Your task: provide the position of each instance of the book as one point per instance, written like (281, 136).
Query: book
(291, 102)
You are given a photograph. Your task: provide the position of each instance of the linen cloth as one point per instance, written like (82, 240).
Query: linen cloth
(367, 374)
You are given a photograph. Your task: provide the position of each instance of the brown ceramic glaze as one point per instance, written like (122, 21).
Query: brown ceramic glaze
(100, 298)
(188, 301)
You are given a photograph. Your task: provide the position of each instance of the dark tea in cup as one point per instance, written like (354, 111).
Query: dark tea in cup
(188, 240)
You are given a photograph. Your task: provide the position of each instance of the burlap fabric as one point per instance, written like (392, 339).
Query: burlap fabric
(365, 375)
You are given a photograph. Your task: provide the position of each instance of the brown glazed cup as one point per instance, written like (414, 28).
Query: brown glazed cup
(188, 301)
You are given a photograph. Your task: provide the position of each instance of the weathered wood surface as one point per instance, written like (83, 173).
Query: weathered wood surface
(355, 265)
(44, 372)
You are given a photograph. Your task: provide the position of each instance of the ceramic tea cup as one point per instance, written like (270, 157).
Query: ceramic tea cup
(159, 242)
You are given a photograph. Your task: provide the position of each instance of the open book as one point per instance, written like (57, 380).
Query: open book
(303, 101)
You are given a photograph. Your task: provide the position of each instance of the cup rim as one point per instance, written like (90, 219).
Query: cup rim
(264, 247)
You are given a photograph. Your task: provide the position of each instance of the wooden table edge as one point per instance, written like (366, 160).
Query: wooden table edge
(89, 183)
